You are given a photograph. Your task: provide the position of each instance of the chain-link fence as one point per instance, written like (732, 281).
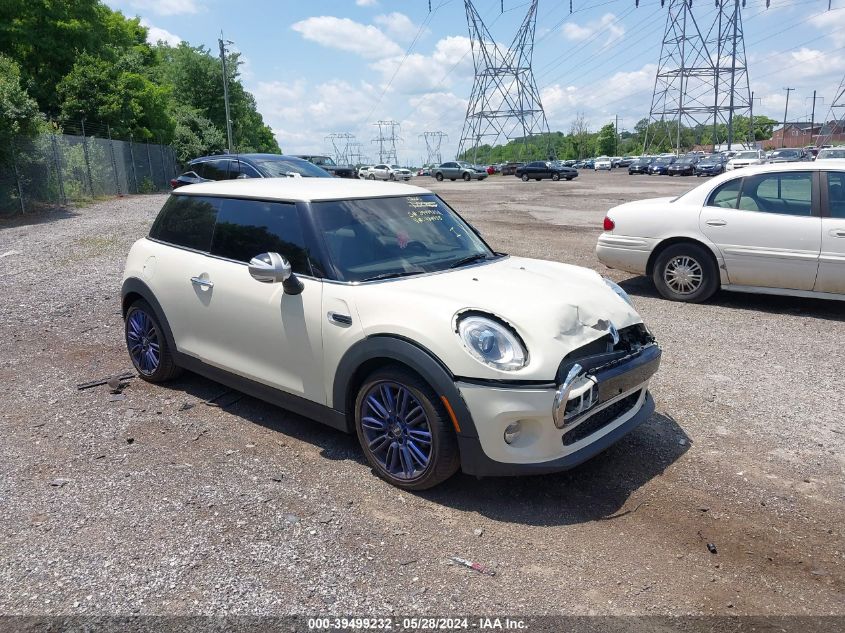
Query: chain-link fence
(66, 168)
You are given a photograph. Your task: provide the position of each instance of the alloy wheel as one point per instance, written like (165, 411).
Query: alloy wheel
(683, 274)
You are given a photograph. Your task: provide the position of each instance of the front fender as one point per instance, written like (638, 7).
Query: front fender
(417, 358)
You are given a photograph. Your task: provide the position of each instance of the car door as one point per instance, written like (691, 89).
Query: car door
(831, 277)
(182, 237)
(382, 172)
(252, 328)
(768, 229)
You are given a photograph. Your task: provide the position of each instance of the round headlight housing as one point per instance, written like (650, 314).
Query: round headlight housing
(615, 287)
(492, 342)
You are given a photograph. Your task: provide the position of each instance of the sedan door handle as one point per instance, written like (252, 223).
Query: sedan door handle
(205, 283)
(716, 222)
(838, 232)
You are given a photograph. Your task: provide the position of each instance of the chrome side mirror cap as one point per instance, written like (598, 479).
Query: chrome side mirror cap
(270, 268)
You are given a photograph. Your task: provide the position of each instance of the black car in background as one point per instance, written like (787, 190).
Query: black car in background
(660, 165)
(683, 166)
(540, 169)
(509, 169)
(711, 165)
(640, 165)
(326, 162)
(233, 166)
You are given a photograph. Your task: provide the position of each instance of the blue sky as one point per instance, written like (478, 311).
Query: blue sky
(339, 65)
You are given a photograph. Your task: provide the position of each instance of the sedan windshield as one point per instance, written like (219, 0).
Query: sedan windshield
(687, 160)
(379, 238)
(831, 153)
(282, 167)
(663, 160)
(747, 155)
(785, 153)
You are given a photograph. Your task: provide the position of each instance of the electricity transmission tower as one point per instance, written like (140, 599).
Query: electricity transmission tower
(341, 142)
(355, 155)
(387, 141)
(702, 78)
(505, 101)
(835, 115)
(432, 146)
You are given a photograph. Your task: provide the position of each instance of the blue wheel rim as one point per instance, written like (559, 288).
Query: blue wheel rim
(396, 430)
(142, 341)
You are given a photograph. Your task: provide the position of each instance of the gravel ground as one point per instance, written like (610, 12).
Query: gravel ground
(160, 504)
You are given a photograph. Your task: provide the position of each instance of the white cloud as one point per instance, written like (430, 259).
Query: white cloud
(398, 25)
(156, 34)
(166, 7)
(366, 3)
(347, 35)
(608, 22)
(424, 73)
(832, 23)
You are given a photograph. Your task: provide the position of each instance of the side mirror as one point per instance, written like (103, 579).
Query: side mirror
(272, 268)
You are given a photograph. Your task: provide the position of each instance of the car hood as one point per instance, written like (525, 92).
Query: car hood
(555, 308)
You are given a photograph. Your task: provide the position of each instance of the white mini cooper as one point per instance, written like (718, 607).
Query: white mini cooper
(378, 310)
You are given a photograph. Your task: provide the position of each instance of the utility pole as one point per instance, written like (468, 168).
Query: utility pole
(616, 137)
(813, 117)
(785, 110)
(223, 43)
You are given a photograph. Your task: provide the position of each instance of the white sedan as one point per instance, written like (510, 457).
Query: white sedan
(602, 162)
(386, 172)
(746, 159)
(772, 229)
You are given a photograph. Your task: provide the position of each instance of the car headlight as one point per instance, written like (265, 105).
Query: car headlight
(615, 287)
(492, 342)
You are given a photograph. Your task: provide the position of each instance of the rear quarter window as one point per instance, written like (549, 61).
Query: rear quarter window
(186, 221)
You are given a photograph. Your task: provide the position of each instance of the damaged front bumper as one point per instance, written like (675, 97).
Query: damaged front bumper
(600, 399)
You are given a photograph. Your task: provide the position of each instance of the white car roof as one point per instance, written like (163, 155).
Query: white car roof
(302, 189)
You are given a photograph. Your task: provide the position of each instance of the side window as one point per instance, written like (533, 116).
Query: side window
(249, 171)
(836, 193)
(787, 193)
(726, 195)
(213, 169)
(246, 228)
(186, 221)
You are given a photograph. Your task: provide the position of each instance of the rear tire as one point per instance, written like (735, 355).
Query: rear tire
(438, 177)
(147, 345)
(404, 429)
(371, 177)
(685, 272)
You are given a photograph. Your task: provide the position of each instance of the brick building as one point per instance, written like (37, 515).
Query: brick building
(802, 134)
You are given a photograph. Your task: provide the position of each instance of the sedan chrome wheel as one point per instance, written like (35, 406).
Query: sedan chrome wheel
(683, 274)
(143, 342)
(396, 430)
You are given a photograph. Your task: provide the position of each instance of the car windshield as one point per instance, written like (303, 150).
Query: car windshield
(665, 159)
(395, 167)
(785, 153)
(831, 153)
(386, 237)
(282, 167)
(745, 155)
(322, 160)
(686, 160)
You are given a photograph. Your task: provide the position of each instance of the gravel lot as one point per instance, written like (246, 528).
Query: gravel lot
(159, 504)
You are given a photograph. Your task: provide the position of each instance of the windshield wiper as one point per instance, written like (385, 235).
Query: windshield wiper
(393, 275)
(469, 260)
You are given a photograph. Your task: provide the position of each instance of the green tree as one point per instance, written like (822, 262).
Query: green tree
(606, 141)
(19, 115)
(195, 135)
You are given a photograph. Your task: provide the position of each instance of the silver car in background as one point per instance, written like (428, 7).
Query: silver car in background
(459, 169)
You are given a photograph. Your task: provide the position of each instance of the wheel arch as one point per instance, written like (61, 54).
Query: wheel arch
(681, 239)
(134, 289)
(376, 351)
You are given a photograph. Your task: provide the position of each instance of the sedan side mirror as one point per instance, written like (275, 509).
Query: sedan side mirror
(272, 268)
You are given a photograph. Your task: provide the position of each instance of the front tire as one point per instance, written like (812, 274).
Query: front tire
(147, 345)
(685, 272)
(524, 177)
(404, 430)
(555, 177)
(467, 177)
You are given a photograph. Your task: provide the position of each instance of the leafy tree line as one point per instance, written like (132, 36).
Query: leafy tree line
(581, 142)
(65, 60)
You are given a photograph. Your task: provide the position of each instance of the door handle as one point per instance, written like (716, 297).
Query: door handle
(838, 233)
(204, 283)
(716, 222)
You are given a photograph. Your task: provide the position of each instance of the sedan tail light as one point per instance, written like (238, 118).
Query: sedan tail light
(609, 224)
(174, 183)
